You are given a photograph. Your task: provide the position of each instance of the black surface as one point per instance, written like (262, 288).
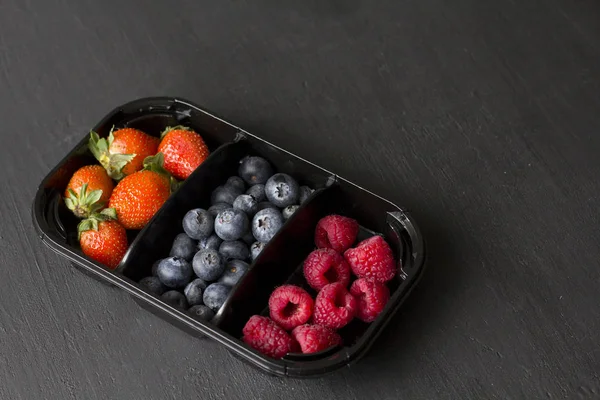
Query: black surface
(480, 117)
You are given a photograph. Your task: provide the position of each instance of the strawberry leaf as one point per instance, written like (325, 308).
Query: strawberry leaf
(116, 163)
(69, 203)
(86, 203)
(173, 128)
(155, 163)
(111, 213)
(112, 163)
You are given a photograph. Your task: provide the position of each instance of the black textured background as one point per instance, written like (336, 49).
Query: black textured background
(479, 116)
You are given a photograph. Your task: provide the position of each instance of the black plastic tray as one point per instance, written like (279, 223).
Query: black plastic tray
(278, 263)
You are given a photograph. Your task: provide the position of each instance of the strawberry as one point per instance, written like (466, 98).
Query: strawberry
(123, 152)
(139, 196)
(88, 190)
(102, 238)
(184, 151)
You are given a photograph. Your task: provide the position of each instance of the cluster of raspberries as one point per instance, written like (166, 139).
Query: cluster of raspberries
(299, 323)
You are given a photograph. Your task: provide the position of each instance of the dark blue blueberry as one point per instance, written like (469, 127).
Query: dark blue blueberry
(153, 285)
(248, 238)
(255, 249)
(155, 267)
(211, 242)
(255, 170)
(193, 291)
(215, 209)
(183, 247)
(288, 211)
(266, 223)
(234, 270)
(208, 265)
(258, 192)
(202, 312)
(174, 272)
(282, 190)
(234, 249)
(231, 224)
(246, 203)
(265, 204)
(215, 295)
(236, 183)
(224, 194)
(198, 223)
(305, 193)
(175, 298)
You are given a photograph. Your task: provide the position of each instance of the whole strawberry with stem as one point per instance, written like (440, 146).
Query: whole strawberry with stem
(184, 150)
(102, 238)
(88, 190)
(124, 150)
(138, 196)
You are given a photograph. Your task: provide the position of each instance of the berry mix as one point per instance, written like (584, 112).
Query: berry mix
(299, 323)
(217, 244)
(135, 175)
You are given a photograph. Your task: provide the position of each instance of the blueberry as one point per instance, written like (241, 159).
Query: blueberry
(153, 285)
(174, 272)
(236, 183)
(175, 298)
(264, 205)
(211, 242)
(224, 194)
(208, 265)
(215, 209)
(288, 211)
(193, 291)
(255, 170)
(266, 223)
(255, 249)
(248, 238)
(215, 295)
(282, 190)
(202, 312)
(183, 247)
(198, 223)
(155, 267)
(234, 270)
(246, 203)
(258, 192)
(234, 249)
(231, 224)
(305, 192)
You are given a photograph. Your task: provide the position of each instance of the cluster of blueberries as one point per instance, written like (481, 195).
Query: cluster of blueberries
(212, 253)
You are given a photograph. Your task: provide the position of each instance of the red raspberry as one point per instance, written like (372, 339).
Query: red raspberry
(290, 306)
(325, 266)
(334, 306)
(315, 338)
(373, 259)
(371, 298)
(336, 232)
(264, 335)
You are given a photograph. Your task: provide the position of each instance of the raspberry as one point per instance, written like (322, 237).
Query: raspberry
(334, 306)
(290, 306)
(325, 266)
(264, 335)
(373, 259)
(371, 298)
(315, 338)
(336, 232)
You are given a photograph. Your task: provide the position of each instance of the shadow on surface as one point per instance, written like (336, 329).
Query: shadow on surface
(425, 308)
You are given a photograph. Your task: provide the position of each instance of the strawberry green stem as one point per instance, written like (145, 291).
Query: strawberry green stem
(84, 204)
(113, 163)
